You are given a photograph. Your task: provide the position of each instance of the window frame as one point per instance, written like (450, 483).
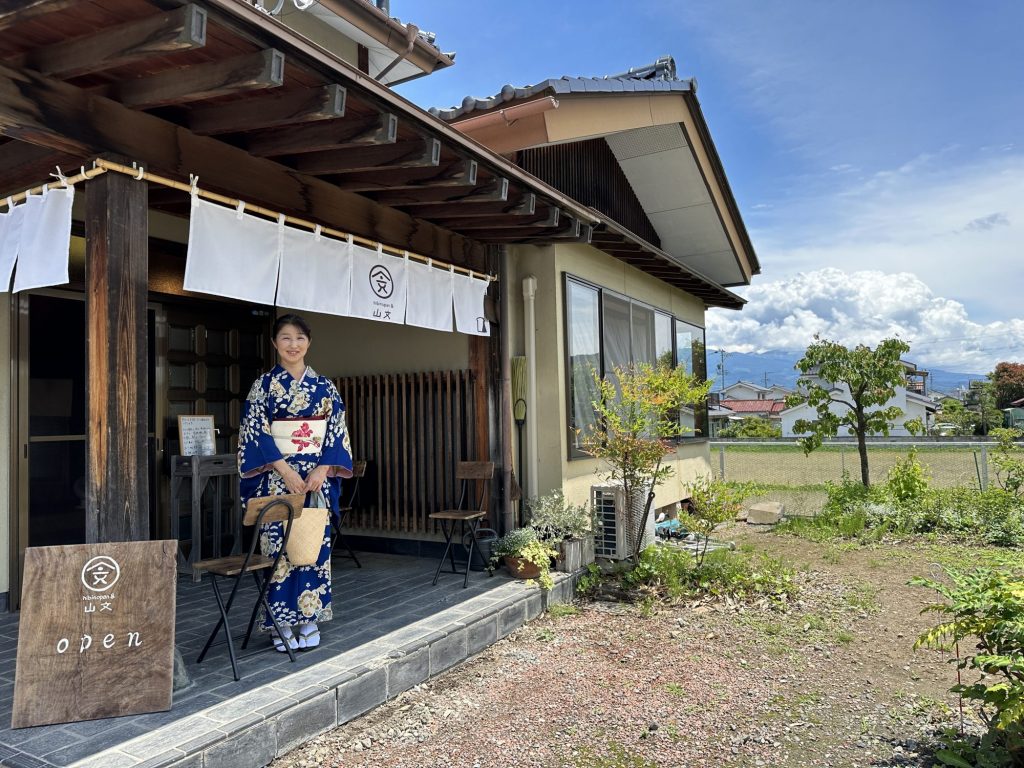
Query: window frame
(574, 453)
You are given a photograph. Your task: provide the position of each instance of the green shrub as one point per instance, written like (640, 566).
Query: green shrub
(907, 481)
(985, 607)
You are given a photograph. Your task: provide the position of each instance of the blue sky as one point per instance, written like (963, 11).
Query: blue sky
(875, 149)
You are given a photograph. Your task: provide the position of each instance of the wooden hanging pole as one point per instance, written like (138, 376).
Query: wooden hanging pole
(84, 175)
(141, 173)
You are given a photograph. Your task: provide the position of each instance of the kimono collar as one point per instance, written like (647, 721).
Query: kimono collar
(279, 370)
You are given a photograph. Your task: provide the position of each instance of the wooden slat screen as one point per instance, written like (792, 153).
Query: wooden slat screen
(412, 428)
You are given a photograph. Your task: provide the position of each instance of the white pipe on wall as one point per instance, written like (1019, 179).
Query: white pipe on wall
(530, 336)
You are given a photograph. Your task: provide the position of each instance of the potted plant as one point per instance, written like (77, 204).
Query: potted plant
(638, 419)
(568, 527)
(525, 555)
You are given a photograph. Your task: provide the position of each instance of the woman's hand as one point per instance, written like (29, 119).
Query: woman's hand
(292, 480)
(316, 479)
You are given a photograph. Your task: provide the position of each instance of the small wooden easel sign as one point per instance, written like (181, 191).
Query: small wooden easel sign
(97, 632)
(197, 436)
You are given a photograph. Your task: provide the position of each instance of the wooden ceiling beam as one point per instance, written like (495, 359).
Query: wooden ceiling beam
(459, 173)
(183, 29)
(334, 134)
(27, 165)
(14, 12)
(304, 105)
(525, 217)
(61, 116)
(422, 200)
(250, 71)
(419, 153)
(470, 208)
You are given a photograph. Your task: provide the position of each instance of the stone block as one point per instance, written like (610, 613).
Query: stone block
(481, 634)
(358, 696)
(303, 722)
(253, 748)
(534, 605)
(448, 651)
(765, 513)
(511, 618)
(407, 671)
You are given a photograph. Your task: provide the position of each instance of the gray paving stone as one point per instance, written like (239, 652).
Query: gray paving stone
(303, 722)
(534, 605)
(170, 736)
(362, 694)
(448, 651)
(111, 759)
(165, 759)
(407, 671)
(481, 634)
(192, 761)
(511, 618)
(252, 748)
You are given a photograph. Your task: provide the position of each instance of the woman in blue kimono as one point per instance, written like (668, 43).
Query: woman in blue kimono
(292, 439)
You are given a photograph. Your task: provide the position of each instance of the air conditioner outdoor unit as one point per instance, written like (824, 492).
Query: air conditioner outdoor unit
(612, 539)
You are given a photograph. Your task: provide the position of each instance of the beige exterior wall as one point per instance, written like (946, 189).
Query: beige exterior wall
(346, 346)
(307, 25)
(5, 443)
(548, 265)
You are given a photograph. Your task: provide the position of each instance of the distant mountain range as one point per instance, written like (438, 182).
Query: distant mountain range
(779, 368)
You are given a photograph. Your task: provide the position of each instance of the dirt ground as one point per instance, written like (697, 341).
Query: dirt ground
(833, 681)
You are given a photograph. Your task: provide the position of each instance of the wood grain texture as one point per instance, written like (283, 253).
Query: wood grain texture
(104, 670)
(117, 487)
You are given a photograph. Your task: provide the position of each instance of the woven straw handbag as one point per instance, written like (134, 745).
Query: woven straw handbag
(307, 536)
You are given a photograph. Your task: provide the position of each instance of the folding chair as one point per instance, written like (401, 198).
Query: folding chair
(466, 471)
(267, 509)
(358, 472)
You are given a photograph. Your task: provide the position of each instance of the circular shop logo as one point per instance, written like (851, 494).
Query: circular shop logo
(100, 573)
(381, 282)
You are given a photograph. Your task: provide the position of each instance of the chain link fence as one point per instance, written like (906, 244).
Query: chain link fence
(798, 480)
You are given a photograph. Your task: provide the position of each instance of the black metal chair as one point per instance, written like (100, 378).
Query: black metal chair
(358, 473)
(268, 509)
(469, 518)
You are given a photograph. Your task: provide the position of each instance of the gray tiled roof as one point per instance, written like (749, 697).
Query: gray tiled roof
(657, 77)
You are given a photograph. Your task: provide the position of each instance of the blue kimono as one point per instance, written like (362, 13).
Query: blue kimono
(297, 594)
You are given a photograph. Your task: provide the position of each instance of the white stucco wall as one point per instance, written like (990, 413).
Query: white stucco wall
(742, 391)
(912, 409)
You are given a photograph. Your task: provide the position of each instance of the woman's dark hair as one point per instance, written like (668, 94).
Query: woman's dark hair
(295, 320)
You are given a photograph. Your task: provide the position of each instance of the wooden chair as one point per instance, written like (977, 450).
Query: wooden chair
(358, 472)
(467, 471)
(267, 509)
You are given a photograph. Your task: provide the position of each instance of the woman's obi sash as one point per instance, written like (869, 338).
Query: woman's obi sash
(299, 435)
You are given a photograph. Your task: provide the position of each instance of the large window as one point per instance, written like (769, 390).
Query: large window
(605, 330)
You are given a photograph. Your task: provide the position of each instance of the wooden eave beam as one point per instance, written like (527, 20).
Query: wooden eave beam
(472, 209)
(183, 29)
(419, 153)
(51, 113)
(335, 134)
(458, 173)
(422, 200)
(304, 105)
(14, 12)
(546, 218)
(23, 165)
(251, 71)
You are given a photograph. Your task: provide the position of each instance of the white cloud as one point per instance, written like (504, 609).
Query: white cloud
(864, 307)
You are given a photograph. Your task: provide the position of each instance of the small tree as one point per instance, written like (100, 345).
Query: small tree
(637, 414)
(1008, 379)
(753, 427)
(712, 502)
(849, 388)
(962, 419)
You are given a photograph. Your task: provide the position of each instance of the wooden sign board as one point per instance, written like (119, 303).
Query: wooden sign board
(97, 632)
(197, 436)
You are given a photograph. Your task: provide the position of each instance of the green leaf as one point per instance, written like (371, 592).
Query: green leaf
(951, 758)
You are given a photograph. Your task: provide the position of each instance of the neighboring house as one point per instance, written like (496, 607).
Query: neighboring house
(913, 405)
(636, 150)
(745, 390)
(764, 409)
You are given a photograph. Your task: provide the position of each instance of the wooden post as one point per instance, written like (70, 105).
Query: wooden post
(117, 488)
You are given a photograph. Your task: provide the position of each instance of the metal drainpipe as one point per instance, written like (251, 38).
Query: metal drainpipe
(530, 336)
(504, 317)
(411, 33)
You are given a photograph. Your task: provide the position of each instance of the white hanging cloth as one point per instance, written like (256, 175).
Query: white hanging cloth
(469, 305)
(231, 254)
(316, 273)
(378, 285)
(429, 303)
(10, 239)
(45, 240)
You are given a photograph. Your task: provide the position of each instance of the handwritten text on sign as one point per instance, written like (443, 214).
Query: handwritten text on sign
(97, 632)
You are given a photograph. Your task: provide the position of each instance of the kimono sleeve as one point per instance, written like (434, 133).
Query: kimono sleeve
(256, 448)
(337, 450)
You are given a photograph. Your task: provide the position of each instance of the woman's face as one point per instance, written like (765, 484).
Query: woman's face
(291, 345)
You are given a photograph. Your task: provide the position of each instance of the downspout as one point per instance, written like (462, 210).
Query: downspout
(411, 33)
(530, 336)
(504, 320)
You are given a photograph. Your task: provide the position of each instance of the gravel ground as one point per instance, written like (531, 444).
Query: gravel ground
(831, 681)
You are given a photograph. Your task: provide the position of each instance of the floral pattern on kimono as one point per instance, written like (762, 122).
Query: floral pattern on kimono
(297, 594)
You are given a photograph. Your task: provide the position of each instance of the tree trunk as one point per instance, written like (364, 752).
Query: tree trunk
(862, 449)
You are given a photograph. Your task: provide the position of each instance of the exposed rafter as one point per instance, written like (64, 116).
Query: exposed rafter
(419, 153)
(335, 134)
(304, 105)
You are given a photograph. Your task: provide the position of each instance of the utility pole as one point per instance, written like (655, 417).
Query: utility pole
(721, 366)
